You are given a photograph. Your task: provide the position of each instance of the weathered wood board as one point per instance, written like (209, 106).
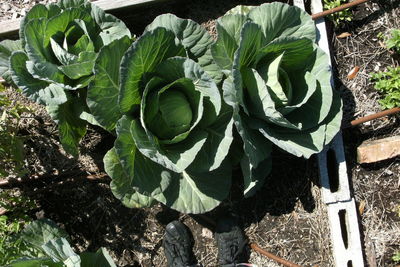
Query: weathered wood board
(10, 27)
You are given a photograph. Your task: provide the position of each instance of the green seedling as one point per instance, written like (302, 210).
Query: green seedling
(388, 83)
(11, 144)
(396, 257)
(392, 42)
(341, 16)
(15, 209)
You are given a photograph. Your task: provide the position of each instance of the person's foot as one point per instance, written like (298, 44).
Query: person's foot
(178, 243)
(231, 242)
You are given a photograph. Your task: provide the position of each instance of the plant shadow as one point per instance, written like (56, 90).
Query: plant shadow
(91, 215)
(201, 11)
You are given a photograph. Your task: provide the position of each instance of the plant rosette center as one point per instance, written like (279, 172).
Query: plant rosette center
(169, 110)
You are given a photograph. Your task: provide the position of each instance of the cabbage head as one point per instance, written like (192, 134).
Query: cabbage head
(175, 132)
(278, 83)
(60, 43)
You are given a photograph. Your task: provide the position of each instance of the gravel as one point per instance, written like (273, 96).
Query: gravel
(13, 9)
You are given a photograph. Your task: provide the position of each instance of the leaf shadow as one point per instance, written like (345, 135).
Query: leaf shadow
(201, 11)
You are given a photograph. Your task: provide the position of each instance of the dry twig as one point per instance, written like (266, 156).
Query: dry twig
(337, 9)
(273, 257)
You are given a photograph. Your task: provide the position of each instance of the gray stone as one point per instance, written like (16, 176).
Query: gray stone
(5, 7)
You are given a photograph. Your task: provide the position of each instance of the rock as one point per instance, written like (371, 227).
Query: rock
(205, 232)
(377, 150)
(5, 7)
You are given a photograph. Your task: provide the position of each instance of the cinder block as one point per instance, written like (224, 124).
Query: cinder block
(299, 3)
(345, 234)
(333, 172)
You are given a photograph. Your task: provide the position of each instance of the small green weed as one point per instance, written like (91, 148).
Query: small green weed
(388, 83)
(396, 257)
(11, 145)
(11, 245)
(392, 42)
(341, 16)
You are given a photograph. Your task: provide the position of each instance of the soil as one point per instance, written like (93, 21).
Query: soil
(287, 217)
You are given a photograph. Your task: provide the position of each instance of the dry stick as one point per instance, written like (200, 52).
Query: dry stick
(6, 182)
(374, 116)
(273, 257)
(337, 9)
(10, 182)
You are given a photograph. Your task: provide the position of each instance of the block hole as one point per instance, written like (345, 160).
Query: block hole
(349, 264)
(333, 170)
(343, 227)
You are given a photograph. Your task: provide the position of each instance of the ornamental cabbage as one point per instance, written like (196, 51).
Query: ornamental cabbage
(278, 84)
(60, 45)
(175, 132)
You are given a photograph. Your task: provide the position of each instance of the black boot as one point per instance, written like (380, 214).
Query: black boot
(178, 243)
(231, 242)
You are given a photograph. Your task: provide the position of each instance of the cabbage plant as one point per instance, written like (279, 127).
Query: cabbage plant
(60, 44)
(7, 47)
(174, 133)
(48, 245)
(278, 84)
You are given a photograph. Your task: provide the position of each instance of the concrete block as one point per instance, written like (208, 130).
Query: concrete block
(345, 234)
(299, 4)
(333, 172)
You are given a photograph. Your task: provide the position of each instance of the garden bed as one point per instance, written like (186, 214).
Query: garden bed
(286, 217)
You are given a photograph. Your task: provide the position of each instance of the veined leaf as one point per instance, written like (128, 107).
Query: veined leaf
(255, 147)
(36, 90)
(7, 47)
(102, 97)
(36, 12)
(143, 56)
(121, 184)
(38, 262)
(277, 19)
(191, 35)
(81, 66)
(39, 232)
(99, 258)
(197, 192)
(223, 50)
(178, 67)
(70, 127)
(254, 176)
(176, 157)
(111, 27)
(60, 250)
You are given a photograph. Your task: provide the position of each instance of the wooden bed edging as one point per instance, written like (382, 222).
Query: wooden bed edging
(10, 27)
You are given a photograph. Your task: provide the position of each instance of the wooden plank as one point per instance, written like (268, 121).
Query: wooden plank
(10, 27)
(377, 150)
(118, 4)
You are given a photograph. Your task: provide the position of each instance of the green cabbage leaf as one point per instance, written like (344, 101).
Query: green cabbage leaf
(174, 133)
(52, 248)
(60, 44)
(278, 84)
